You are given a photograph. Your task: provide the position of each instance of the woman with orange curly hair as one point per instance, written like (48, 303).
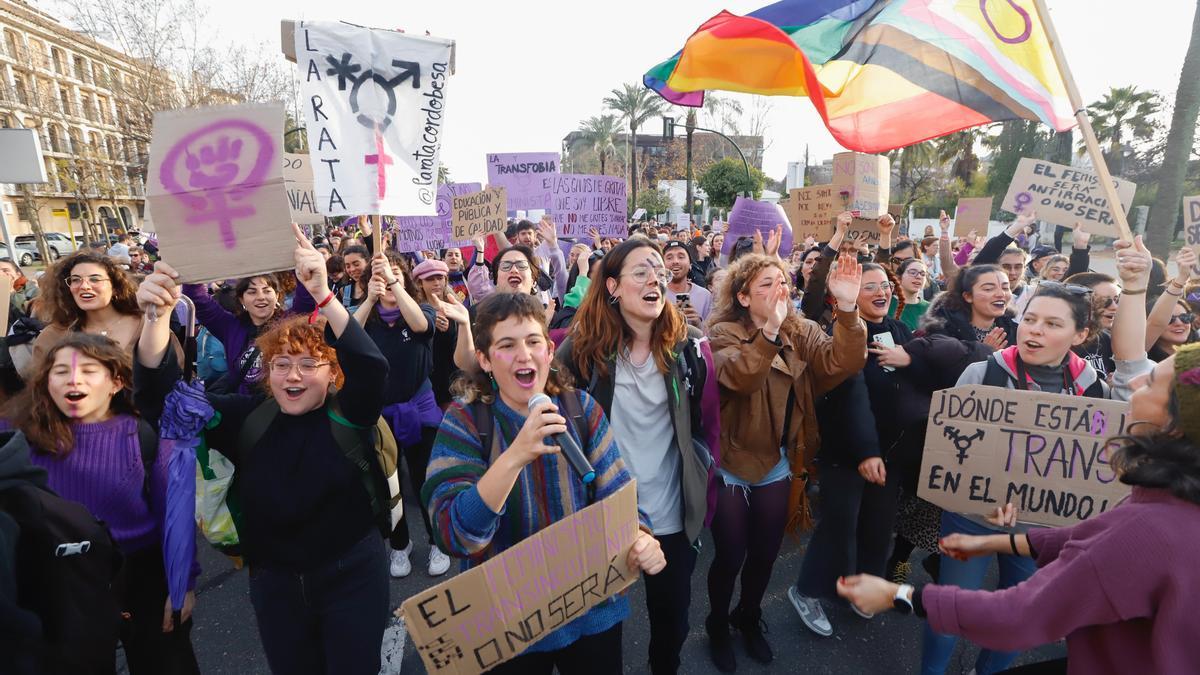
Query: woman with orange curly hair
(770, 364)
(87, 293)
(311, 528)
(79, 419)
(647, 369)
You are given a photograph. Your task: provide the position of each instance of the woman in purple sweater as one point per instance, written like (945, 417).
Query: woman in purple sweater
(261, 302)
(79, 418)
(1120, 587)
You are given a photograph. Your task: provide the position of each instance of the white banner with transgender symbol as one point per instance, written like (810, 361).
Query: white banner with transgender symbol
(375, 103)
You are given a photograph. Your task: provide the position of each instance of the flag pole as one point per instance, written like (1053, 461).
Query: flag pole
(1115, 207)
(376, 235)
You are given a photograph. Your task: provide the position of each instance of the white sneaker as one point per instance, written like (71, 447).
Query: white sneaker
(439, 563)
(811, 612)
(401, 565)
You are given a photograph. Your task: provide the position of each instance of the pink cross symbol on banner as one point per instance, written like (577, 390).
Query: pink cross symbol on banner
(381, 161)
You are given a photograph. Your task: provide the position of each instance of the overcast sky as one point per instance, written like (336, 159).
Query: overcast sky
(530, 70)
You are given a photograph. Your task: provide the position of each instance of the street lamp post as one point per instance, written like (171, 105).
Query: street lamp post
(669, 133)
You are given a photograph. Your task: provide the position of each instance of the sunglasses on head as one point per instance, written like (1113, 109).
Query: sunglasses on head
(1070, 288)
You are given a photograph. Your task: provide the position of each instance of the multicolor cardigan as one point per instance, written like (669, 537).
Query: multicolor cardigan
(546, 491)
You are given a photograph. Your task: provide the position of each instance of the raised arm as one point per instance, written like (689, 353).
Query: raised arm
(1160, 315)
(464, 347)
(551, 251)
(991, 251)
(946, 251)
(1081, 250)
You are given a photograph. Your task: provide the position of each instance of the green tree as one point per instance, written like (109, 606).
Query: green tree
(636, 104)
(1124, 115)
(959, 148)
(1017, 139)
(1164, 213)
(654, 201)
(915, 168)
(599, 133)
(723, 181)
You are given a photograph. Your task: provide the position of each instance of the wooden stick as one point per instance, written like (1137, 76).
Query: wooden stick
(1115, 207)
(376, 235)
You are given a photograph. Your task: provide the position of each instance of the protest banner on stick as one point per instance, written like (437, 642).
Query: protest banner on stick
(375, 102)
(479, 213)
(1064, 195)
(972, 213)
(1047, 454)
(215, 188)
(491, 613)
(521, 174)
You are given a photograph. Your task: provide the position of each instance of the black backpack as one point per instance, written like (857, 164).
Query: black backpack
(66, 563)
(997, 376)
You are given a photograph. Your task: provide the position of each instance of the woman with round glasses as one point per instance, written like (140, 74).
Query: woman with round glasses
(909, 303)
(89, 294)
(311, 529)
(513, 270)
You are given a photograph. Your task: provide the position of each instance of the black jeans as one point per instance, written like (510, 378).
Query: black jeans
(327, 620)
(598, 654)
(854, 531)
(148, 650)
(417, 457)
(668, 597)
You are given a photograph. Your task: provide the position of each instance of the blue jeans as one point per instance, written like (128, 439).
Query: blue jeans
(327, 620)
(937, 648)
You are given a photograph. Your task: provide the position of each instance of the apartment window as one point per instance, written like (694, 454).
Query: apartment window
(76, 145)
(64, 100)
(12, 44)
(56, 143)
(89, 108)
(59, 66)
(114, 152)
(6, 122)
(81, 69)
(102, 108)
(99, 76)
(22, 90)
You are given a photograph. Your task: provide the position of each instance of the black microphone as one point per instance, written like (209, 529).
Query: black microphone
(570, 449)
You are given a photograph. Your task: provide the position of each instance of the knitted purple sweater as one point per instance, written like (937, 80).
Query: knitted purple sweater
(104, 473)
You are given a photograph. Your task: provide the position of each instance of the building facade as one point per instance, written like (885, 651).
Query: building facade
(73, 91)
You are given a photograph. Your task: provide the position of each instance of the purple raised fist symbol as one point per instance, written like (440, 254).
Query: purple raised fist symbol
(215, 169)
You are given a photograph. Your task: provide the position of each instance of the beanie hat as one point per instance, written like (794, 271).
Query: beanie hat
(1187, 390)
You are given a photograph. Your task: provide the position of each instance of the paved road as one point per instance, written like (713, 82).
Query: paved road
(226, 637)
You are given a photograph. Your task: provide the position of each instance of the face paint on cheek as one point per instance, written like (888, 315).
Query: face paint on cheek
(501, 356)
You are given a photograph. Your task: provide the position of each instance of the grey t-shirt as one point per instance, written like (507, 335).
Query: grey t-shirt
(641, 423)
(700, 298)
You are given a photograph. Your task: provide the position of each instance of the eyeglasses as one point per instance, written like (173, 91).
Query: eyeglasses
(643, 273)
(881, 286)
(916, 274)
(306, 366)
(897, 260)
(1184, 319)
(75, 281)
(521, 265)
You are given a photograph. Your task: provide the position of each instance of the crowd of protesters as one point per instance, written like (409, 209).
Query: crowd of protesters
(750, 391)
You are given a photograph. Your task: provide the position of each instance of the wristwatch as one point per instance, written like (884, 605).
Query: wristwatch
(901, 603)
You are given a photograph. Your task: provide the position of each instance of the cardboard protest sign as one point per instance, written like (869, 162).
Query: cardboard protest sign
(420, 233)
(479, 213)
(861, 183)
(487, 615)
(812, 211)
(1045, 453)
(521, 174)
(972, 213)
(1063, 195)
(215, 186)
(580, 202)
(1191, 222)
(302, 198)
(375, 102)
(748, 215)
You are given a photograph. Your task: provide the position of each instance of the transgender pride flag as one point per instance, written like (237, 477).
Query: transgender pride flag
(883, 74)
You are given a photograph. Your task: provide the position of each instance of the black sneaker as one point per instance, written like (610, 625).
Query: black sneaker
(751, 625)
(720, 644)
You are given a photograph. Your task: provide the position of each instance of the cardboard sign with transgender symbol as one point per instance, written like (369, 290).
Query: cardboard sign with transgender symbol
(215, 188)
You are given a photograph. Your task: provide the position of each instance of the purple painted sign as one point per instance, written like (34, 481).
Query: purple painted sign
(749, 215)
(521, 174)
(420, 233)
(580, 202)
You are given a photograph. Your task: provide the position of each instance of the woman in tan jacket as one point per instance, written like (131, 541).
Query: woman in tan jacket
(770, 364)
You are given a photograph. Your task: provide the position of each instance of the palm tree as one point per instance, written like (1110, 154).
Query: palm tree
(907, 159)
(636, 104)
(959, 147)
(1165, 211)
(1123, 109)
(723, 113)
(598, 133)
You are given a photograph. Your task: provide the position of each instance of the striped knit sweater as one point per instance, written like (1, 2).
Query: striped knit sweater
(546, 491)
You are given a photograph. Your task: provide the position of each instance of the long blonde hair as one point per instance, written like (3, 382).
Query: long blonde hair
(727, 308)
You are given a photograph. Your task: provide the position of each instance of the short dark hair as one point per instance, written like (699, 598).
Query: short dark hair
(1166, 460)
(1079, 302)
(1090, 279)
(523, 225)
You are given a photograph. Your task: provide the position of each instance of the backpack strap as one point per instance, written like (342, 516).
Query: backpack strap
(256, 424)
(995, 375)
(358, 444)
(482, 414)
(148, 445)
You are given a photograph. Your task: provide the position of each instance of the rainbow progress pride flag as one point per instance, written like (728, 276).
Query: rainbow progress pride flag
(883, 74)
